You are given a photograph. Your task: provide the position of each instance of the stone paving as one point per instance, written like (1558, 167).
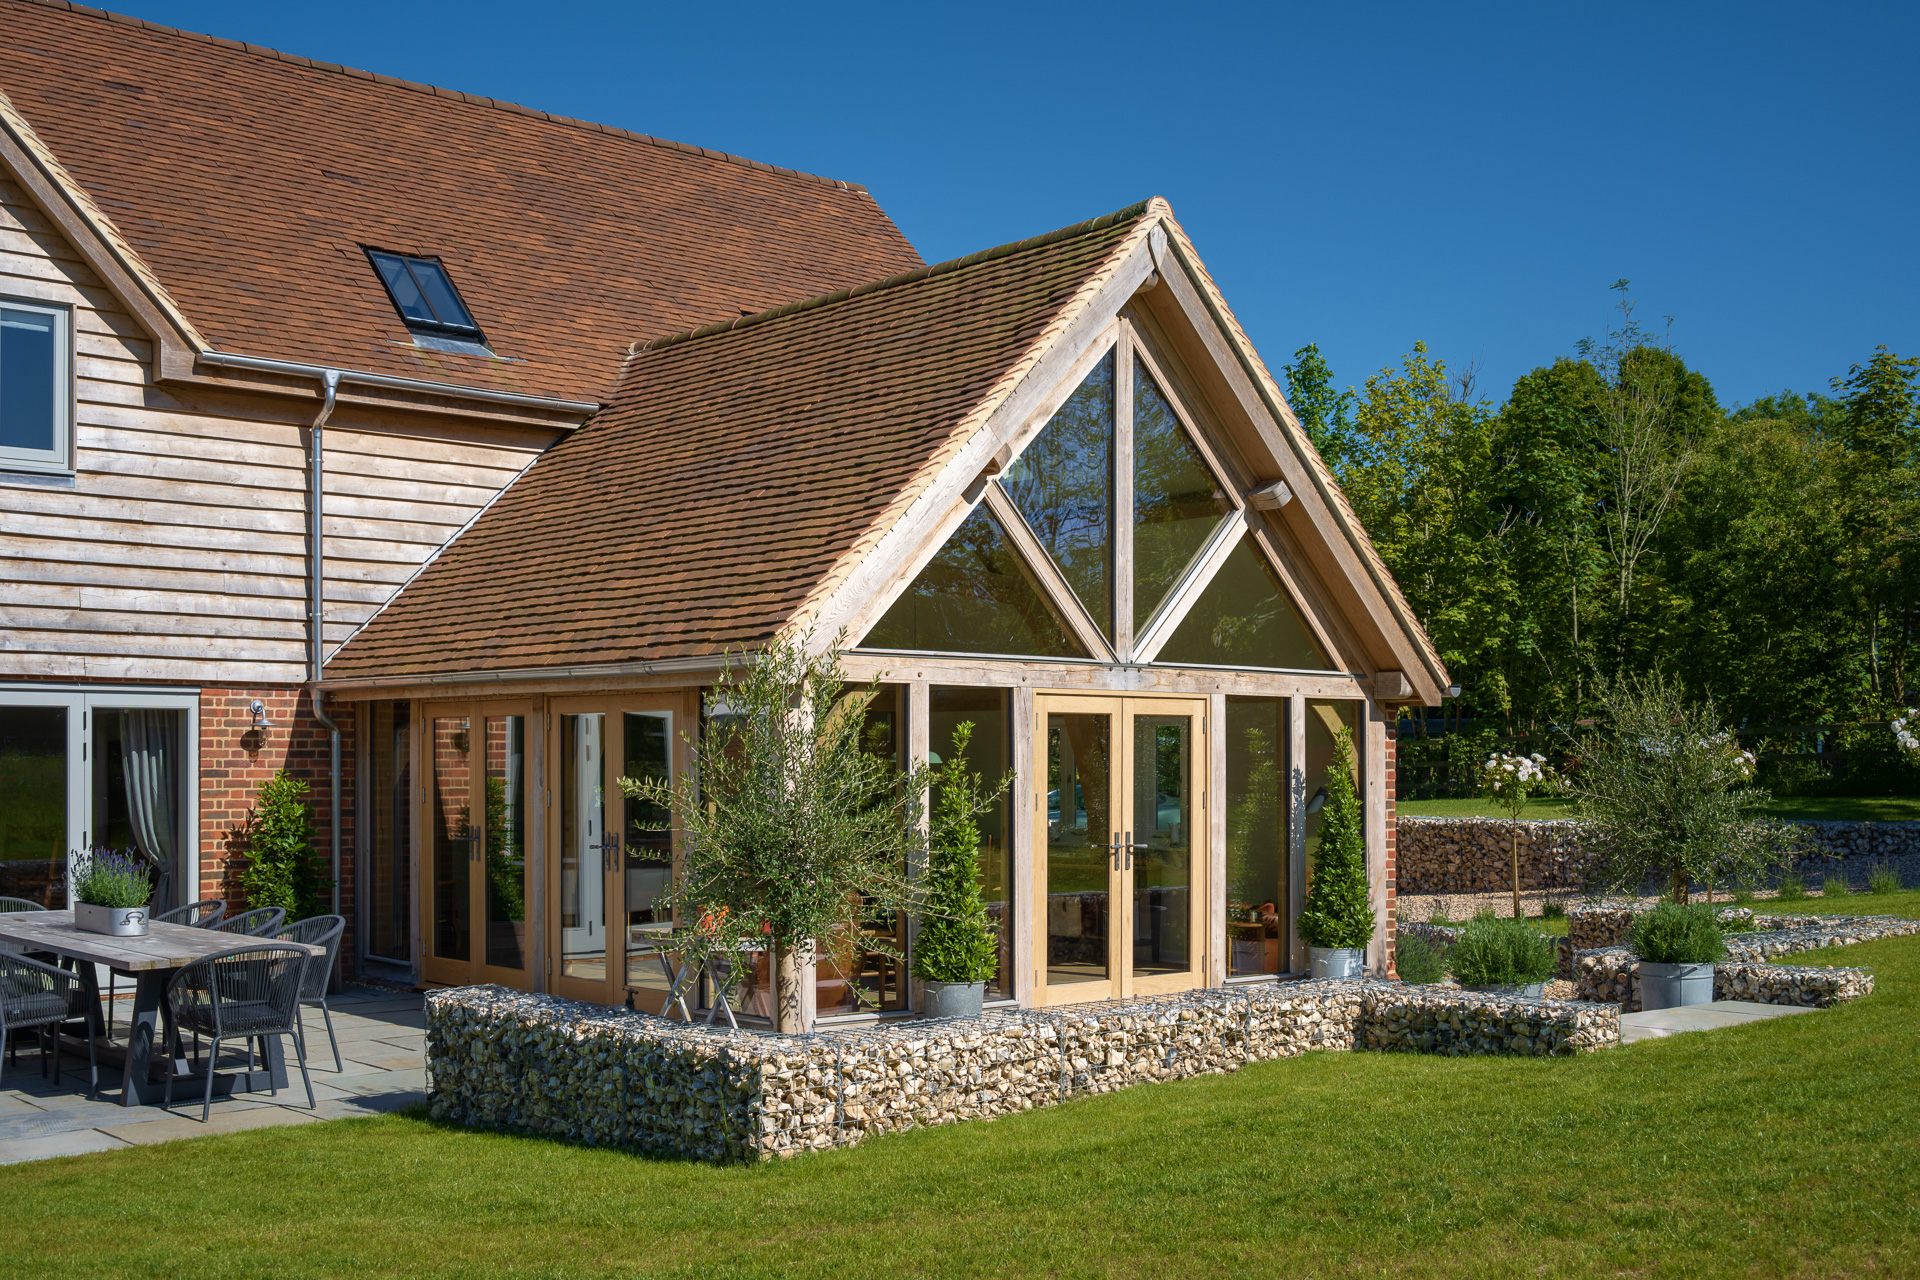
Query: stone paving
(382, 1048)
(1699, 1017)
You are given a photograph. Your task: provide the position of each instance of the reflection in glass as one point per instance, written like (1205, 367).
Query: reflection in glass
(28, 381)
(1177, 504)
(506, 852)
(583, 837)
(452, 840)
(1243, 618)
(33, 804)
(1079, 831)
(1063, 484)
(649, 847)
(975, 596)
(389, 840)
(1256, 835)
(987, 755)
(851, 974)
(139, 802)
(1162, 836)
(1324, 720)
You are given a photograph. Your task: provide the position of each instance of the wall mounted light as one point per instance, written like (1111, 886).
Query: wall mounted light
(1319, 799)
(260, 720)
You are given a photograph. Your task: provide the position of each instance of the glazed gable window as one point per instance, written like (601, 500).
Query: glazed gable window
(36, 372)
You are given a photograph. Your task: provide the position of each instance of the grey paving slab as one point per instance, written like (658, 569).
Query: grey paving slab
(73, 1142)
(1654, 1023)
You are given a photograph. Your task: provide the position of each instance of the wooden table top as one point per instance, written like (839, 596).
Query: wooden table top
(166, 946)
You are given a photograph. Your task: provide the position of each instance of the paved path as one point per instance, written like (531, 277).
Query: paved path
(381, 1046)
(1699, 1017)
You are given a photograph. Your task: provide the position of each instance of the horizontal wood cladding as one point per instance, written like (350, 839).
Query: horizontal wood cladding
(179, 551)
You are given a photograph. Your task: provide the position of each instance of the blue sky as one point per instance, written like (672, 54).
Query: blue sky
(1357, 175)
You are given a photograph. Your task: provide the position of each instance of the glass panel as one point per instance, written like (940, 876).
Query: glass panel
(33, 804)
(1163, 845)
(27, 380)
(649, 847)
(854, 978)
(452, 840)
(138, 800)
(1244, 618)
(389, 844)
(506, 842)
(583, 822)
(1324, 720)
(988, 755)
(974, 597)
(1177, 503)
(440, 295)
(1063, 485)
(406, 294)
(1256, 835)
(1079, 829)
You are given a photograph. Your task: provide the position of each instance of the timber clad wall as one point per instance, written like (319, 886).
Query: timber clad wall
(179, 551)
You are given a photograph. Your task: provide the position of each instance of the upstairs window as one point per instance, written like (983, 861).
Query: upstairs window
(35, 387)
(424, 295)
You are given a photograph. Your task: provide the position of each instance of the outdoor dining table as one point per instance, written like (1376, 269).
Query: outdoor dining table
(151, 961)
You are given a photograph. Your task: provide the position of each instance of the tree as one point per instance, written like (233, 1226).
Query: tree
(957, 942)
(1323, 412)
(1338, 911)
(795, 833)
(282, 869)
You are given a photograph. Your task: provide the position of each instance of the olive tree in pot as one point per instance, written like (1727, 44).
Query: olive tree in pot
(957, 949)
(112, 895)
(1676, 946)
(797, 836)
(1337, 920)
(1503, 955)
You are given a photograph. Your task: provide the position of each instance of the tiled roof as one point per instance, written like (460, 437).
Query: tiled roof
(248, 180)
(734, 469)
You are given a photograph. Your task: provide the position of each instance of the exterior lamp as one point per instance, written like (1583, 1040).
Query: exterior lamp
(1319, 799)
(260, 720)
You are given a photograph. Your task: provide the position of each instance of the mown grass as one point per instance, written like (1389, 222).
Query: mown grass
(1823, 808)
(1785, 1147)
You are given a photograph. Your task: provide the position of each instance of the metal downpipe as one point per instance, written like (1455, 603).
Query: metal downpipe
(316, 621)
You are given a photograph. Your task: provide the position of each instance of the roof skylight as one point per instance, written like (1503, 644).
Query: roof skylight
(424, 296)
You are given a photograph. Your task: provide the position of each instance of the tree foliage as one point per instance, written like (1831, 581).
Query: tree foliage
(282, 869)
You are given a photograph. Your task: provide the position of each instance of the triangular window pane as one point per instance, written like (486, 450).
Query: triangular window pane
(1063, 484)
(1177, 503)
(975, 596)
(1243, 618)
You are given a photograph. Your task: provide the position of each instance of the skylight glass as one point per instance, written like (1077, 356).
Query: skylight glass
(424, 295)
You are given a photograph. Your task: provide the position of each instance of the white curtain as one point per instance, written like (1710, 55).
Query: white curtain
(150, 750)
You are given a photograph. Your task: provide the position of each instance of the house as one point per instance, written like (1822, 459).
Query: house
(441, 451)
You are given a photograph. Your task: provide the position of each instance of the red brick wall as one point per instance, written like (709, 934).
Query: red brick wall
(236, 758)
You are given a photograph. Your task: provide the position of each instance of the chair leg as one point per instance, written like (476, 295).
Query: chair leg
(327, 1013)
(213, 1060)
(4, 1047)
(300, 1051)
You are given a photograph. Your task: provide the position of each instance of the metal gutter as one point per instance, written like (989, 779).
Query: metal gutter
(234, 360)
(316, 615)
(667, 666)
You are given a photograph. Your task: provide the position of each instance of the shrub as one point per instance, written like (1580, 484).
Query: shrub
(1553, 910)
(1420, 961)
(1835, 887)
(110, 880)
(1337, 911)
(1792, 887)
(1743, 893)
(1500, 951)
(283, 870)
(957, 942)
(1884, 880)
(1676, 934)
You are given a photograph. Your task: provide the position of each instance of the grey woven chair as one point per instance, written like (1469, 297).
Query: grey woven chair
(200, 915)
(248, 993)
(20, 904)
(318, 931)
(257, 923)
(41, 997)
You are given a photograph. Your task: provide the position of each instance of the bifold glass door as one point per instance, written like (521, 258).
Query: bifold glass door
(1120, 845)
(476, 806)
(614, 855)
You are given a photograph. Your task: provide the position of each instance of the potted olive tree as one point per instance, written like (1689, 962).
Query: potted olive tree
(1676, 946)
(112, 894)
(957, 949)
(1337, 920)
(1502, 955)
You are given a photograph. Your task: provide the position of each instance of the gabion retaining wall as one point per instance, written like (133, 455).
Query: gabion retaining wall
(586, 1073)
(1472, 855)
(1610, 975)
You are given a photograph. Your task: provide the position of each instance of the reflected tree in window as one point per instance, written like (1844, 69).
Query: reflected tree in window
(974, 597)
(1177, 503)
(1244, 618)
(1063, 484)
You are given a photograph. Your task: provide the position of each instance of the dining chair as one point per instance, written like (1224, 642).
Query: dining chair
(257, 923)
(42, 997)
(248, 993)
(20, 904)
(198, 915)
(317, 931)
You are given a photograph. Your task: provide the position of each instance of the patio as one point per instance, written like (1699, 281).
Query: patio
(381, 1046)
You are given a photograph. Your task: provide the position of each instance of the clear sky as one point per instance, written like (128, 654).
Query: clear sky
(1359, 175)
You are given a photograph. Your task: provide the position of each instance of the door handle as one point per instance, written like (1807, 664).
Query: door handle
(610, 852)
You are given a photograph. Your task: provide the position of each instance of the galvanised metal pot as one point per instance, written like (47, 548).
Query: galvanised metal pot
(1675, 986)
(1335, 962)
(117, 922)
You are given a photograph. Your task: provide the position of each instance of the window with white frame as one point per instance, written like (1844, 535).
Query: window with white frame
(36, 378)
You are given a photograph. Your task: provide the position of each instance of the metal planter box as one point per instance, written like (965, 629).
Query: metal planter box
(116, 922)
(1335, 962)
(952, 999)
(1674, 986)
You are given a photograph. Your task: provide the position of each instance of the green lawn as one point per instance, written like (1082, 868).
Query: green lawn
(1790, 1146)
(1841, 809)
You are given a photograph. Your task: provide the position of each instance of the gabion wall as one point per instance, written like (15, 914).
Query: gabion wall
(610, 1077)
(1610, 975)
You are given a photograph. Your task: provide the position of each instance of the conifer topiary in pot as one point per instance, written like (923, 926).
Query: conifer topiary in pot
(1677, 946)
(1337, 920)
(957, 949)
